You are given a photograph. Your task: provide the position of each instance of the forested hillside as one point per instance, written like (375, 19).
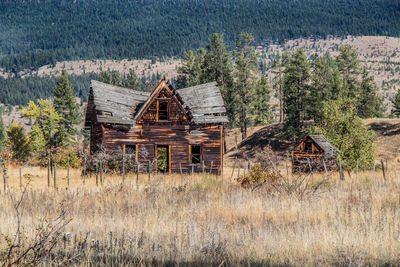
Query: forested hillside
(36, 33)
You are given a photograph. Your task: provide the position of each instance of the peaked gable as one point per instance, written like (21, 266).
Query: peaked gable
(164, 96)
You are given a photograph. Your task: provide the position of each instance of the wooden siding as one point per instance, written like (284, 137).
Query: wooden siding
(176, 137)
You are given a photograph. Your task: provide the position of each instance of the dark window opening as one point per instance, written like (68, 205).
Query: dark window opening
(196, 154)
(130, 149)
(308, 146)
(162, 110)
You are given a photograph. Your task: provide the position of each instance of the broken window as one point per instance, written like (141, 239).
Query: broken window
(196, 154)
(162, 110)
(130, 150)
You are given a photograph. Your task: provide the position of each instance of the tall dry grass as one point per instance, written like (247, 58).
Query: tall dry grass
(208, 220)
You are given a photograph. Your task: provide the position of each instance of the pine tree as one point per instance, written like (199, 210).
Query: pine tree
(369, 104)
(295, 90)
(260, 107)
(3, 134)
(105, 77)
(349, 68)
(244, 80)
(116, 79)
(325, 84)
(191, 72)
(216, 65)
(132, 82)
(65, 106)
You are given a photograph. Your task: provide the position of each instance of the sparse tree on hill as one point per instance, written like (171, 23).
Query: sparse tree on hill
(349, 67)
(116, 79)
(191, 72)
(260, 108)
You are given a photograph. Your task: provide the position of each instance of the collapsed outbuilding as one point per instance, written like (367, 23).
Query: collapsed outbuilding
(314, 153)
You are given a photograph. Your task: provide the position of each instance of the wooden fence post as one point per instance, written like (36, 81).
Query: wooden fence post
(48, 172)
(97, 174)
(211, 166)
(233, 169)
(68, 171)
(137, 175)
(149, 170)
(357, 170)
(180, 168)
(55, 174)
(341, 171)
(383, 169)
(373, 171)
(238, 174)
(202, 165)
(4, 178)
(123, 168)
(326, 170)
(20, 176)
(101, 172)
(84, 170)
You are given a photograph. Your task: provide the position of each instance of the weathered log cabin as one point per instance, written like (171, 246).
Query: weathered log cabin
(184, 126)
(314, 151)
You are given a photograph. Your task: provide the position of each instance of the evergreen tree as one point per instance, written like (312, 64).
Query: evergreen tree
(349, 68)
(105, 77)
(244, 80)
(217, 66)
(18, 142)
(295, 90)
(191, 72)
(116, 79)
(325, 84)
(369, 104)
(3, 134)
(65, 106)
(260, 107)
(132, 82)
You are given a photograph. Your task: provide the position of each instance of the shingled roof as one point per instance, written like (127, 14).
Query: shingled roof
(329, 150)
(119, 105)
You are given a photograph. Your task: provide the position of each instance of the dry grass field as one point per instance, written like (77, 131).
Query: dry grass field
(205, 220)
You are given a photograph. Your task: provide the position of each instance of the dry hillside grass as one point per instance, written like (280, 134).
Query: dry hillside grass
(208, 220)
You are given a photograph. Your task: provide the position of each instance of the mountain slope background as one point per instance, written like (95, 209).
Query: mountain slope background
(40, 32)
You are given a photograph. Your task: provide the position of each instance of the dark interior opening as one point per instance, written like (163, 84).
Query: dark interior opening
(163, 111)
(196, 154)
(130, 149)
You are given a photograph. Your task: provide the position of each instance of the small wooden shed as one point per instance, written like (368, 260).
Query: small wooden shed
(314, 151)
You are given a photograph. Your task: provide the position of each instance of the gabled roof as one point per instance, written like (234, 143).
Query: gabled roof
(204, 102)
(329, 150)
(119, 105)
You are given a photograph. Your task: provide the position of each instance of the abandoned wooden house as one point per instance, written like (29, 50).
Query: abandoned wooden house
(175, 129)
(313, 152)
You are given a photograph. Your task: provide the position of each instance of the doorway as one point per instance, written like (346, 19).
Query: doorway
(163, 158)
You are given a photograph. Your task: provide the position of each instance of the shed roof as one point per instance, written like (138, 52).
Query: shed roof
(119, 105)
(330, 151)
